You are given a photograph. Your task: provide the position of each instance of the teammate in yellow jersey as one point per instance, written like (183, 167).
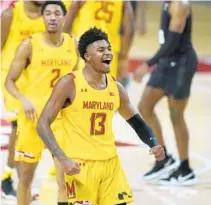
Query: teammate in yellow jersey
(115, 17)
(43, 59)
(88, 99)
(19, 21)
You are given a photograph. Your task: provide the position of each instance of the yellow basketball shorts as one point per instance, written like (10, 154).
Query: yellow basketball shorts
(100, 183)
(29, 146)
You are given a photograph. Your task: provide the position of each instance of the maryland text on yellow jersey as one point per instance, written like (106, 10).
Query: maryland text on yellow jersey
(88, 120)
(21, 28)
(47, 65)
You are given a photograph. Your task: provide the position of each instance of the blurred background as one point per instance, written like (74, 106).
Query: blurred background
(147, 26)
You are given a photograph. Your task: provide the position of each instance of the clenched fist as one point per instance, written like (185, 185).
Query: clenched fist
(158, 152)
(69, 166)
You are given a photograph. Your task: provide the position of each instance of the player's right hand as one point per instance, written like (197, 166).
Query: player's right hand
(69, 166)
(29, 109)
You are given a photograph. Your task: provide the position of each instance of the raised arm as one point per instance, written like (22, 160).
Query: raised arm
(71, 14)
(128, 29)
(6, 21)
(126, 40)
(132, 117)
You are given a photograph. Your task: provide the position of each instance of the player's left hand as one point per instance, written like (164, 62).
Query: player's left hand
(140, 72)
(158, 152)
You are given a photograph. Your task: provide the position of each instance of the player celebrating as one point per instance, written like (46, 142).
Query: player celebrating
(88, 99)
(116, 18)
(19, 21)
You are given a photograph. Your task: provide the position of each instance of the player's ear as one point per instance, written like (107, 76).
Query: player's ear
(87, 57)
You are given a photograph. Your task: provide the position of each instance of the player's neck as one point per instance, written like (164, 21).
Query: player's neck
(31, 8)
(93, 78)
(53, 39)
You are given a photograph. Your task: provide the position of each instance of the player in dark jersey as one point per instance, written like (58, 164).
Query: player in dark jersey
(176, 64)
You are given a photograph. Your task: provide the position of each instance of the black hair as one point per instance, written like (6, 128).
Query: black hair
(89, 37)
(56, 2)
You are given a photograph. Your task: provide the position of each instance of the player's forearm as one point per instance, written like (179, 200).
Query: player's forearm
(12, 89)
(68, 26)
(47, 136)
(144, 132)
(126, 42)
(128, 30)
(170, 46)
(70, 17)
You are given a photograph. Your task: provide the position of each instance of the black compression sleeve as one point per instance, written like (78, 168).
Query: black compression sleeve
(171, 44)
(144, 132)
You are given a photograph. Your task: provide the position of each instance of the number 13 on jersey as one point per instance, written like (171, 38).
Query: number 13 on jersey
(97, 123)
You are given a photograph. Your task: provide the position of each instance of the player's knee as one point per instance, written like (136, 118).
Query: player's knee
(176, 116)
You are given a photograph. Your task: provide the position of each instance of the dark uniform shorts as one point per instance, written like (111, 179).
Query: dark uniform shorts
(174, 75)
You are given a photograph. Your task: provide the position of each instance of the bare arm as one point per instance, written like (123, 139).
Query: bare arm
(6, 21)
(78, 56)
(70, 16)
(63, 90)
(127, 111)
(128, 28)
(179, 11)
(23, 55)
(141, 128)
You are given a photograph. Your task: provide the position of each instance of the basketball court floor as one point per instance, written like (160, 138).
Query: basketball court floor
(135, 156)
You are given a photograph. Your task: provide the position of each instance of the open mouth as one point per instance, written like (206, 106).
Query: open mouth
(106, 61)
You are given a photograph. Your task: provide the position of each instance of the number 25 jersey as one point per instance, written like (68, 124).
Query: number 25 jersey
(106, 15)
(47, 65)
(88, 120)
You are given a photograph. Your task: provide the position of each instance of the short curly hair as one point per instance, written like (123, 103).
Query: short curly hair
(56, 2)
(89, 37)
